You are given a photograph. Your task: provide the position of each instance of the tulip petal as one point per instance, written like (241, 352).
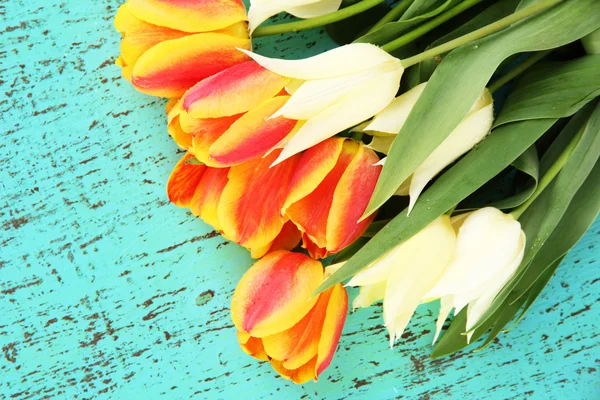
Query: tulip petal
(358, 104)
(259, 12)
(316, 9)
(138, 35)
(315, 251)
(252, 346)
(463, 138)
(416, 271)
(287, 239)
(275, 293)
(253, 134)
(183, 181)
(235, 90)
(488, 241)
(181, 137)
(252, 200)
(311, 212)
(350, 200)
(313, 166)
(206, 199)
(171, 67)
(392, 118)
(190, 15)
(479, 306)
(343, 60)
(369, 295)
(337, 309)
(305, 373)
(204, 133)
(445, 308)
(381, 144)
(312, 97)
(299, 344)
(376, 272)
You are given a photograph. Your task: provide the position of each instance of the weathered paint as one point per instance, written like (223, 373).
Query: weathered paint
(108, 291)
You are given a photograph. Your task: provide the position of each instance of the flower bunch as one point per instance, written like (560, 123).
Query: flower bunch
(316, 151)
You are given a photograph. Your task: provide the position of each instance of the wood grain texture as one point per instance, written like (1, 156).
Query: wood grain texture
(108, 291)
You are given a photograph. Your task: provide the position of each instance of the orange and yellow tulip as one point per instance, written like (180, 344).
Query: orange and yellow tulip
(329, 192)
(170, 45)
(241, 202)
(279, 320)
(224, 120)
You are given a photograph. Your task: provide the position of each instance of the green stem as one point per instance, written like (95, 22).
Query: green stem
(549, 175)
(518, 70)
(478, 34)
(429, 25)
(394, 14)
(310, 23)
(358, 135)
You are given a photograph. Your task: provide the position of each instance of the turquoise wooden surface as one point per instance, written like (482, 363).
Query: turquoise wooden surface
(108, 291)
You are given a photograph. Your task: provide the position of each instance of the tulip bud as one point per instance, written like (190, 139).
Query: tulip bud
(473, 128)
(261, 10)
(341, 88)
(490, 247)
(224, 119)
(403, 276)
(168, 46)
(217, 196)
(278, 319)
(329, 192)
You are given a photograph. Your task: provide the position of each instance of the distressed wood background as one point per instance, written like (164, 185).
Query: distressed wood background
(108, 291)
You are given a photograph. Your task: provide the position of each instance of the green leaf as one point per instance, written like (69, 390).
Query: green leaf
(560, 88)
(544, 214)
(349, 251)
(418, 12)
(528, 164)
(454, 339)
(491, 14)
(493, 154)
(580, 215)
(591, 42)
(460, 78)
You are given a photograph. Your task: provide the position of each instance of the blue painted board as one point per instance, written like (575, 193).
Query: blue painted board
(107, 291)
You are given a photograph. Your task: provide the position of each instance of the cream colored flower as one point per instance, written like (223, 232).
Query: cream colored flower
(473, 128)
(336, 90)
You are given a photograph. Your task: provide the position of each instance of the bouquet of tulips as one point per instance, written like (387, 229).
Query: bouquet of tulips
(446, 151)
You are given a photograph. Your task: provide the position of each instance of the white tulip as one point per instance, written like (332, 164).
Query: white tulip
(342, 87)
(261, 10)
(403, 276)
(490, 246)
(473, 128)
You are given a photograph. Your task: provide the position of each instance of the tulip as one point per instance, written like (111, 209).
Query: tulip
(329, 191)
(473, 129)
(224, 119)
(278, 319)
(261, 10)
(403, 276)
(250, 218)
(170, 45)
(489, 249)
(337, 90)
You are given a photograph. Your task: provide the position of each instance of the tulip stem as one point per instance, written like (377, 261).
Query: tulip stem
(469, 37)
(310, 23)
(549, 175)
(393, 15)
(428, 26)
(518, 70)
